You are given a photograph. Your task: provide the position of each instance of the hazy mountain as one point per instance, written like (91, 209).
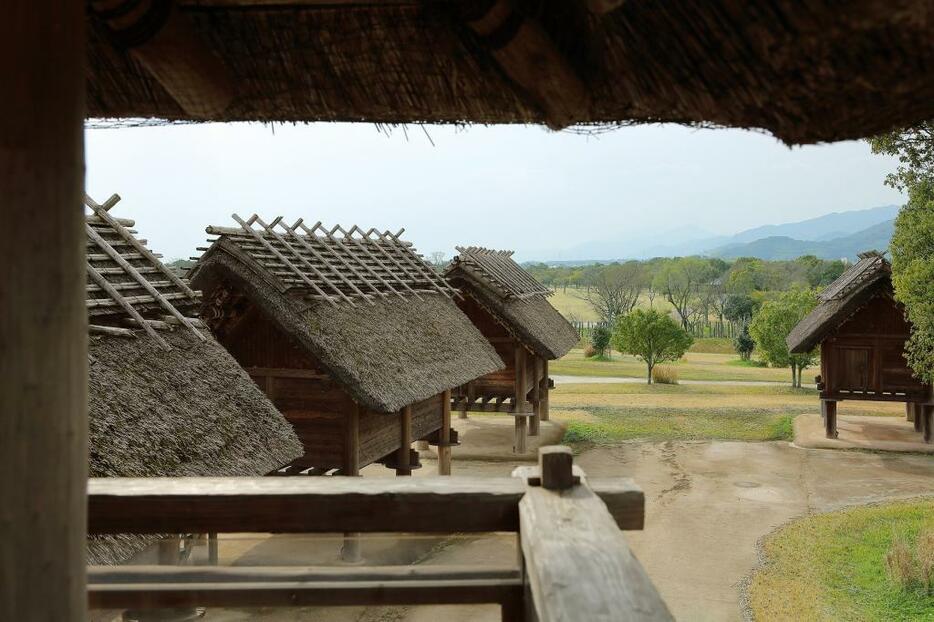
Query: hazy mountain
(784, 247)
(774, 240)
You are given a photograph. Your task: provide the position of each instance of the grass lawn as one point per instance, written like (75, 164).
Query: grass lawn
(607, 413)
(694, 366)
(831, 567)
(571, 304)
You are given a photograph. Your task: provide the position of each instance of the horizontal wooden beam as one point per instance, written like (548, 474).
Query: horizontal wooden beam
(324, 505)
(143, 587)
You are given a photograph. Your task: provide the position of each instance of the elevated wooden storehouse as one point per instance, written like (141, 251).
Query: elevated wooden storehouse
(351, 334)
(862, 330)
(511, 309)
(164, 398)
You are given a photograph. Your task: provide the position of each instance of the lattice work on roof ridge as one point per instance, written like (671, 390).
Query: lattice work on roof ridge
(501, 270)
(337, 265)
(867, 267)
(127, 284)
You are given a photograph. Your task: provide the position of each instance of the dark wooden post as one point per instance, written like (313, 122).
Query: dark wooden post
(536, 397)
(917, 417)
(350, 550)
(468, 400)
(519, 410)
(43, 321)
(402, 456)
(444, 446)
(829, 413)
(926, 414)
(543, 392)
(909, 411)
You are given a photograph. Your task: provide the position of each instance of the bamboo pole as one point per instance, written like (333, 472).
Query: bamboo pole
(43, 322)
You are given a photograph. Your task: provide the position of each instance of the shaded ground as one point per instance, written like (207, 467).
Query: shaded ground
(876, 433)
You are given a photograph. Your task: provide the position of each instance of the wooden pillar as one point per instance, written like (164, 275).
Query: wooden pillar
(519, 410)
(926, 414)
(829, 413)
(405, 439)
(468, 400)
(350, 549)
(917, 416)
(543, 392)
(43, 321)
(444, 446)
(909, 411)
(535, 419)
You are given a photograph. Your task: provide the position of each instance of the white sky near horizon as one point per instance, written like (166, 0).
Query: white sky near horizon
(538, 192)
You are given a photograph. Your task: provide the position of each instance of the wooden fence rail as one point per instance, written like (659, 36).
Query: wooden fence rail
(575, 564)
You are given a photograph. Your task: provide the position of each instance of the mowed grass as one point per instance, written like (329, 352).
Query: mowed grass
(832, 567)
(608, 413)
(694, 366)
(572, 304)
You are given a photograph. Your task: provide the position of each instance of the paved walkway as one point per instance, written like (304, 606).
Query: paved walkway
(872, 433)
(627, 380)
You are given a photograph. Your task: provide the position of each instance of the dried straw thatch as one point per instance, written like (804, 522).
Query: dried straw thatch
(805, 71)
(871, 276)
(503, 288)
(386, 354)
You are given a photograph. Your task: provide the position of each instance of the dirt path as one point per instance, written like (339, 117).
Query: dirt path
(707, 505)
(559, 380)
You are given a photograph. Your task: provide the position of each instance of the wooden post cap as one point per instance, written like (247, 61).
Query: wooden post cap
(556, 465)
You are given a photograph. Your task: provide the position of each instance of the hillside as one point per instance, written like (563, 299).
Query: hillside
(785, 247)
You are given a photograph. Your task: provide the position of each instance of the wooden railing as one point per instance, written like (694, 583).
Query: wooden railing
(574, 563)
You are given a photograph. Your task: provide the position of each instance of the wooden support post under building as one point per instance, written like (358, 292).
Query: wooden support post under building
(350, 550)
(543, 393)
(405, 427)
(43, 320)
(444, 447)
(917, 416)
(468, 400)
(829, 413)
(909, 411)
(535, 419)
(926, 414)
(519, 402)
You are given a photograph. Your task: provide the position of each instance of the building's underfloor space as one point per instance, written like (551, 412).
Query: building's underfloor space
(857, 432)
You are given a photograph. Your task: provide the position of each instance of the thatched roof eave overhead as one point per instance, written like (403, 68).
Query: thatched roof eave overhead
(803, 71)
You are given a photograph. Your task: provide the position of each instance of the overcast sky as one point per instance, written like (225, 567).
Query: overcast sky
(539, 192)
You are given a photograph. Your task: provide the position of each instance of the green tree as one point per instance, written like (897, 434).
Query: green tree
(600, 339)
(652, 337)
(914, 148)
(743, 343)
(772, 323)
(913, 274)
(680, 280)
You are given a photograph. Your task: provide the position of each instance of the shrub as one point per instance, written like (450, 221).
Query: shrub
(589, 351)
(652, 337)
(744, 344)
(600, 339)
(665, 374)
(909, 568)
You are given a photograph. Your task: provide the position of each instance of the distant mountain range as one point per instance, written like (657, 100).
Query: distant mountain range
(832, 236)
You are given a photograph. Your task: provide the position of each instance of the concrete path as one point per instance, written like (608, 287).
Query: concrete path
(627, 380)
(872, 433)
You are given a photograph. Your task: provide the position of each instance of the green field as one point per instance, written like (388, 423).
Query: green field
(694, 366)
(572, 304)
(607, 413)
(831, 567)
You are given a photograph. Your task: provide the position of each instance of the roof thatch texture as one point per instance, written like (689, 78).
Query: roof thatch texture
(164, 398)
(394, 341)
(804, 71)
(868, 277)
(514, 298)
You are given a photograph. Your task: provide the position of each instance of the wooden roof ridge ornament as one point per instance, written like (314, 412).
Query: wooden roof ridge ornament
(501, 271)
(163, 41)
(338, 265)
(528, 56)
(141, 289)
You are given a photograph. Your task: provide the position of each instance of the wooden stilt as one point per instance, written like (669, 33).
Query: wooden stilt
(521, 440)
(444, 447)
(350, 550)
(405, 426)
(926, 414)
(909, 411)
(916, 416)
(535, 419)
(467, 402)
(543, 394)
(829, 413)
(43, 321)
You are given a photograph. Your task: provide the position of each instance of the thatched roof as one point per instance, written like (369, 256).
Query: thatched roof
(804, 71)
(365, 307)
(867, 278)
(164, 398)
(514, 298)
